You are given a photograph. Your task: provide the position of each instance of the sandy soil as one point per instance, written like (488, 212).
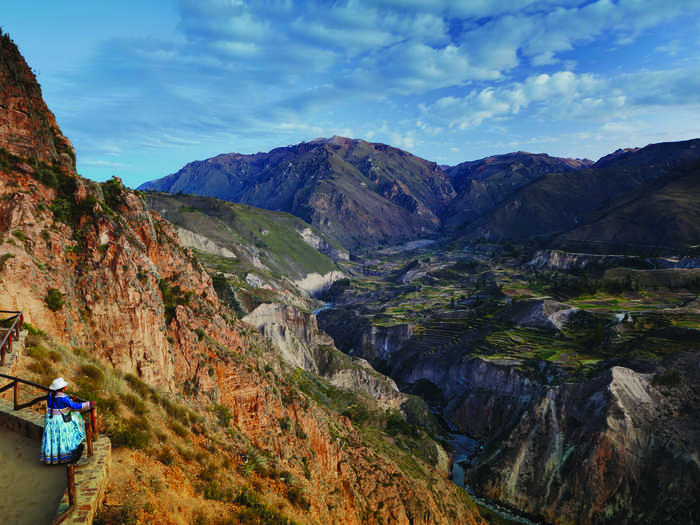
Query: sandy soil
(29, 490)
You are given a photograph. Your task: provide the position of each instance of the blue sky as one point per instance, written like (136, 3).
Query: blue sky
(142, 88)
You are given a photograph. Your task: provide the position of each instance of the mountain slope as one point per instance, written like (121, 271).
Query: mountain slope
(662, 214)
(560, 202)
(482, 184)
(259, 247)
(359, 193)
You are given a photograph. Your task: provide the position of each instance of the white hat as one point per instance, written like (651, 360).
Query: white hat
(58, 384)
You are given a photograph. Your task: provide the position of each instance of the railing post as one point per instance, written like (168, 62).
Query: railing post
(2, 358)
(70, 469)
(15, 392)
(89, 434)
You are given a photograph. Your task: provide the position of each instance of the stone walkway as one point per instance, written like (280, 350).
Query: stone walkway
(91, 474)
(31, 491)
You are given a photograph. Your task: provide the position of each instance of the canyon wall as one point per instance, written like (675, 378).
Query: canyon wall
(618, 448)
(302, 344)
(615, 449)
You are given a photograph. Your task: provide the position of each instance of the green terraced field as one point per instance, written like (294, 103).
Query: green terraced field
(429, 301)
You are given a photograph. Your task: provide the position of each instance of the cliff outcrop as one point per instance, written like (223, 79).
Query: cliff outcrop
(302, 344)
(483, 398)
(27, 126)
(623, 443)
(119, 275)
(354, 334)
(542, 314)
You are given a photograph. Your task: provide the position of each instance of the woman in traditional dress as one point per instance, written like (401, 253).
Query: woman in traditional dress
(64, 430)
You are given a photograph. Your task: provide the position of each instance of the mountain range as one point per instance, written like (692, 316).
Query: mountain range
(357, 192)
(364, 194)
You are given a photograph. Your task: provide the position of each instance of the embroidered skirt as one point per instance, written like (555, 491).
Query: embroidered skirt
(61, 438)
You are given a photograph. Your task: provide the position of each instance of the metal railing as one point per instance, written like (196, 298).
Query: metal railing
(90, 434)
(13, 325)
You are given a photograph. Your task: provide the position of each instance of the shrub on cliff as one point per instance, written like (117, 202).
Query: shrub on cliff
(131, 433)
(667, 378)
(113, 193)
(54, 299)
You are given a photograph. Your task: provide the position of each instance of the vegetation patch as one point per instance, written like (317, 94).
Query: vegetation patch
(172, 297)
(130, 433)
(667, 378)
(54, 299)
(254, 511)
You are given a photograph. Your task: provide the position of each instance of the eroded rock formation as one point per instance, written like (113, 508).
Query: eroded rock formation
(301, 344)
(614, 449)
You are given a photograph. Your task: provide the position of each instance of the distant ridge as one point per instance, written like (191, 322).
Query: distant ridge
(635, 197)
(482, 184)
(364, 194)
(359, 193)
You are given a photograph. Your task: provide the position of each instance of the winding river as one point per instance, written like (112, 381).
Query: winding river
(467, 450)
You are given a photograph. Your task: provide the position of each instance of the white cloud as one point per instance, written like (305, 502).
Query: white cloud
(563, 91)
(103, 163)
(543, 34)
(565, 96)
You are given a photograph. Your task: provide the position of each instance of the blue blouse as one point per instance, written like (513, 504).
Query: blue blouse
(62, 401)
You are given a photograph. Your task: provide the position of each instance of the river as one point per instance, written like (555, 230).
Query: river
(467, 450)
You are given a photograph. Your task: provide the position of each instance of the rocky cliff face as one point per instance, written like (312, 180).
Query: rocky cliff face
(111, 273)
(27, 127)
(559, 260)
(355, 336)
(542, 314)
(347, 480)
(482, 398)
(322, 245)
(615, 449)
(302, 344)
(315, 283)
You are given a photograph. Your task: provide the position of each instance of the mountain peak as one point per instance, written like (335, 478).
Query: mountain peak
(27, 127)
(359, 193)
(336, 140)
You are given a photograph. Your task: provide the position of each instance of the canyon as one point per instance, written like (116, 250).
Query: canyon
(314, 361)
(587, 412)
